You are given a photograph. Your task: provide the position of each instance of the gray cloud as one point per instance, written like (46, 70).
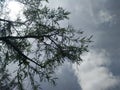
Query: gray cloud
(66, 79)
(101, 18)
(93, 74)
(109, 39)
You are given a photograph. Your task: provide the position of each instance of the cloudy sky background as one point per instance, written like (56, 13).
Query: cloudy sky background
(100, 68)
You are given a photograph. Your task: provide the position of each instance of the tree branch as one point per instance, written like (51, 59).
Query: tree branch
(23, 37)
(4, 20)
(19, 52)
(27, 36)
(19, 37)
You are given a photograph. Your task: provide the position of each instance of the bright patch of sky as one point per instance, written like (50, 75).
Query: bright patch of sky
(15, 9)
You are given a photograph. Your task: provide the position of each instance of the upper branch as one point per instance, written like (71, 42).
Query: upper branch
(4, 20)
(23, 37)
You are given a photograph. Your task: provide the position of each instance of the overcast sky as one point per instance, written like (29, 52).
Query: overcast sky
(100, 68)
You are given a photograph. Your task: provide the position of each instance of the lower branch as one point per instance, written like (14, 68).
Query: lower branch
(19, 52)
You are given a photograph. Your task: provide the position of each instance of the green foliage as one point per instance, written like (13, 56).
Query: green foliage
(38, 44)
(5, 82)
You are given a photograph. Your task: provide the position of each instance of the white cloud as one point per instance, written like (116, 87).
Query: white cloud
(93, 74)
